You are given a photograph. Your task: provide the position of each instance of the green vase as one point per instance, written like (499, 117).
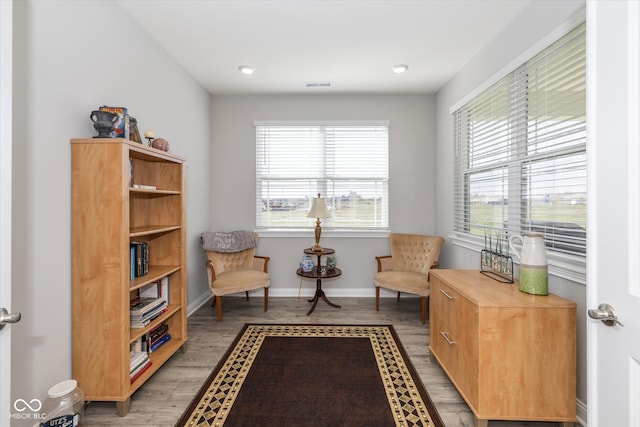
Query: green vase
(534, 277)
(534, 280)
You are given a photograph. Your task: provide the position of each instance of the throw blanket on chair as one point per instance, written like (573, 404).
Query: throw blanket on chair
(228, 241)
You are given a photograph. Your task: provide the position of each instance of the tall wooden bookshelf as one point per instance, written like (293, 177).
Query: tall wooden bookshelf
(107, 214)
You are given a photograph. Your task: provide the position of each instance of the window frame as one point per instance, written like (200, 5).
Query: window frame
(306, 224)
(568, 266)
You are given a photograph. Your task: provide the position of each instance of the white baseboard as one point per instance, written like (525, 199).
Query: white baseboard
(306, 291)
(198, 302)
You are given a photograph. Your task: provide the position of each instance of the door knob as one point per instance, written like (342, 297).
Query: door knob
(606, 313)
(6, 317)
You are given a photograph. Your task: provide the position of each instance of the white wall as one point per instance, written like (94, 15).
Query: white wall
(71, 57)
(411, 181)
(535, 23)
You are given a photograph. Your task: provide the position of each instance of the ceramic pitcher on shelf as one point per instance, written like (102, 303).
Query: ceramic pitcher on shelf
(534, 276)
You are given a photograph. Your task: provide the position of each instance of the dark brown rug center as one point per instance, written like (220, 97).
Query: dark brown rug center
(313, 375)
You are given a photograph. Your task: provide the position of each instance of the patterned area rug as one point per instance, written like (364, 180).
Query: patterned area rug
(313, 375)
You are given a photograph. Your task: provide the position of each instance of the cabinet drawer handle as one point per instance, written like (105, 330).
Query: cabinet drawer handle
(447, 339)
(446, 294)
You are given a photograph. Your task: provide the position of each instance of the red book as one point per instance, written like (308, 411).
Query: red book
(140, 371)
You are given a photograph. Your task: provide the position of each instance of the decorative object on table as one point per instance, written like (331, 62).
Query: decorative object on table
(149, 135)
(122, 129)
(331, 262)
(534, 275)
(134, 133)
(318, 210)
(319, 273)
(495, 261)
(306, 263)
(160, 144)
(105, 123)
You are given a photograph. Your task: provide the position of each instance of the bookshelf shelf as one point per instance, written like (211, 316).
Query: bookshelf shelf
(138, 332)
(108, 214)
(148, 230)
(156, 272)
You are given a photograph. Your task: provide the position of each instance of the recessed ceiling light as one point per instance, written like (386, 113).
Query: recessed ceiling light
(246, 69)
(400, 68)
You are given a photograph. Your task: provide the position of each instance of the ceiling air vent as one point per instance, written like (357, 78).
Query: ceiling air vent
(317, 84)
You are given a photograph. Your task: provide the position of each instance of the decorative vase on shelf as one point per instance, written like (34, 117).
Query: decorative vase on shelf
(306, 263)
(331, 262)
(534, 276)
(105, 123)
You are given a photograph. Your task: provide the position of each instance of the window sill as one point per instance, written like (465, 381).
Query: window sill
(569, 267)
(309, 232)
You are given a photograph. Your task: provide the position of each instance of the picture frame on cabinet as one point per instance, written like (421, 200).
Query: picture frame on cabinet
(134, 133)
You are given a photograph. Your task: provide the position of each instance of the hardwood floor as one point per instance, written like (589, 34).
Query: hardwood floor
(161, 400)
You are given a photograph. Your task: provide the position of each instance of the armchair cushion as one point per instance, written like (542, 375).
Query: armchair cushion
(404, 281)
(239, 281)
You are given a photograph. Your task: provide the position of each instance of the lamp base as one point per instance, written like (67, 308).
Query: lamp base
(316, 248)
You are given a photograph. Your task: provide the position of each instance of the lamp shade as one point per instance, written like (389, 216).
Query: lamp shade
(319, 208)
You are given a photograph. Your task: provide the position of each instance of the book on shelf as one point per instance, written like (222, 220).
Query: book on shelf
(144, 186)
(135, 368)
(139, 371)
(151, 338)
(165, 338)
(150, 315)
(139, 253)
(122, 129)
(143, 321)
(137, 346)
(130, 172)
(140, 306)
(137, 359)
(157, 289)
(156, 334)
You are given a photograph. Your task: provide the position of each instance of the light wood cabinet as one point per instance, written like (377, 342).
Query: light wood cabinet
(511, 355)
(108, 214)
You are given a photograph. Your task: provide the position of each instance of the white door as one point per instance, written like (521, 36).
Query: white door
(613, 94)
(6, 30)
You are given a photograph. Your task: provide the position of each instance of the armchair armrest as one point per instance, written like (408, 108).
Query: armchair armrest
(261, 263)
(385, 263)
(434, 265)
(211, 271)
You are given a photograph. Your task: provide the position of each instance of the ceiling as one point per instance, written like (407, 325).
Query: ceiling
(351, 45)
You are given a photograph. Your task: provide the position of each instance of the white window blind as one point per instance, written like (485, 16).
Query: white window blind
(346, 163)
(520, 151)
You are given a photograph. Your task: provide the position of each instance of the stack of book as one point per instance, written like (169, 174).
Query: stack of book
(139, 254)
(143, 310)
(152, 340)
(138, 363)
(157, 337)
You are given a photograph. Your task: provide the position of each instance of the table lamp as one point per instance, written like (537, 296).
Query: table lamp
(318, 210)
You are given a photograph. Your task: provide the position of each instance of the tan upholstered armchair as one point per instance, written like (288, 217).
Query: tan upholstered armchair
(233, 266)
(407, 268)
